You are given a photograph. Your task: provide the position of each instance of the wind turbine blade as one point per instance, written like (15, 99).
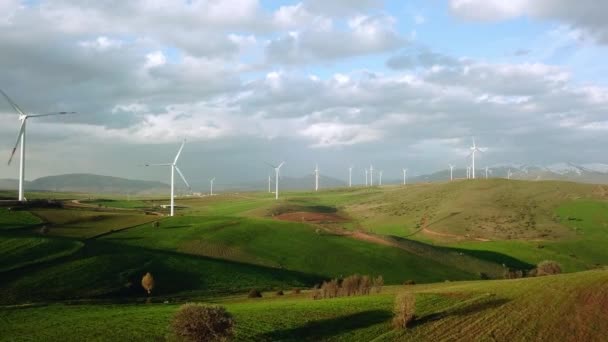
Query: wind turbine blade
(13, 104)
(21, 132)
(49, 114)
(183, 178)
(179, 152)
(278, 167)
(272, 166)
(165, 164)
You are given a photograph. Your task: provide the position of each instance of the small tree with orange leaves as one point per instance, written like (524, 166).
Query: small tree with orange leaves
(147, 282)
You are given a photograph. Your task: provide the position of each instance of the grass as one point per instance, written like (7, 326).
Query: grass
(17, 219)
(17, 252)
(88, 223)
(557, 308)
(286, 245)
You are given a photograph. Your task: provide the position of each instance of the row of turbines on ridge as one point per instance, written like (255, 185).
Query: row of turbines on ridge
(369, 173)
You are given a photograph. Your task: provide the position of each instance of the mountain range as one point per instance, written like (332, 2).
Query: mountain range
(90, 183)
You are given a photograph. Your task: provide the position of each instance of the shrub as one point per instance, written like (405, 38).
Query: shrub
(548, 267)
(253, 293)
(316, 293)
(44, 230)
(280, 293)
(409, 282)
(296, 291)
(330, 289)
(199, 322)
(405, 310)
(147, 282)
(483, 276)
(378, 283)
(513, 274)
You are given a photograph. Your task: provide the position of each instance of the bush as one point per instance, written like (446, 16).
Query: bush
(147, 282)
(297, 291)
(253, 293)
(405, 310)
(409, 282)
(199, 322)
(483, 276)
(548, 267)
(378, 283)
(513, 274)
(44, 230)
(280, 293)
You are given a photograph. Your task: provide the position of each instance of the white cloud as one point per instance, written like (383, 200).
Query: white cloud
(588, 16)
(102, 43)
(155, 59)
(331, 134)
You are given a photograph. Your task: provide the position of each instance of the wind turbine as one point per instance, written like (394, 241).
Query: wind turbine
(366, 177)
(317, 177)
(509, 174)
(380, 178)
(269, 191)
(211, 186)
(21, 140)
(451, 172)
(350, 176)
(404, 176)
(486, 172)
(173, 169)
(371, 175)
(468, 172)
(277, 169)
(473, 150)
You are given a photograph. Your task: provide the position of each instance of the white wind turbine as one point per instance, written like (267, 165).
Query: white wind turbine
(173, 169)
(371, 175)
(474, 149)
(269, 181)
(350, 176)
(277, 169)
(487, 172)
(366, 177)
(380, 178)
(21, 140)
(211, 186)
(509, 174)
(468, 172)
(451, 172)
(404, 176)
(317, 177)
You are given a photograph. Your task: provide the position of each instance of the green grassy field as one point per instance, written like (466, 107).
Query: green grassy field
(569, 307)
(227, 244)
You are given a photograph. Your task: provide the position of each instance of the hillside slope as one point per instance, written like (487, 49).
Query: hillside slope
(568, 307)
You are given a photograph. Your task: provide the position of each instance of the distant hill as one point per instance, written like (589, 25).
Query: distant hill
(585, 173)
(88, 183)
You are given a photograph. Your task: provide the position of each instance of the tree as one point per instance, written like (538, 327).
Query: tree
(405, 310)
(147, 282)
(200, 322)
(548, 267)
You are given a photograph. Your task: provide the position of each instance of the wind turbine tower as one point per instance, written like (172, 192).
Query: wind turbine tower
(451, 172)
(404, 176)
(174, 168)
(366, 177)
(474, 149)
(371, 175)
(486, 172)
(350, 177)
(21, 140)
(380, 178)
(317, 177)
(277, 169)
(211, 186)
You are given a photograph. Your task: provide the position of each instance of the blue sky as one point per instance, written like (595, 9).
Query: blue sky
(331, 82)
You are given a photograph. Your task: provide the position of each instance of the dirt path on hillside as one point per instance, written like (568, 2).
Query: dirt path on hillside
(453, 236)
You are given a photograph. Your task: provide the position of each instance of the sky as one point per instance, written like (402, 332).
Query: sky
(346, 82)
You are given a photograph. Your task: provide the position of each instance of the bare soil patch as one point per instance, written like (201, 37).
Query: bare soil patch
(314, 218)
